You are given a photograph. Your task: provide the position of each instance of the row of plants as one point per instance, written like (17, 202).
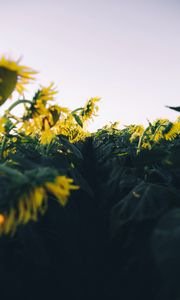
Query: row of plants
(139, 180)
(91, 215)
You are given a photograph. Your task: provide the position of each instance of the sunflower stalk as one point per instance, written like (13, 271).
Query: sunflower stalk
(5, 140)
(141, 141)
(17, 103)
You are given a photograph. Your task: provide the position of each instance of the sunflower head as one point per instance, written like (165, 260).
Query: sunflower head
(13, 77)
(90, 109)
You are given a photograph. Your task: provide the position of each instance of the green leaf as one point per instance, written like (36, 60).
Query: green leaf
(55, 114)
(78, 120)
(71, 147)
(146, 201)
(177, 108)
(8, 80)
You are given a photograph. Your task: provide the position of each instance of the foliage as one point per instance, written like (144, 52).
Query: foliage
(96, 214)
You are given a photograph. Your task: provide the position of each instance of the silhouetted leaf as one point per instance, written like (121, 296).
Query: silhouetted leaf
(177, 108)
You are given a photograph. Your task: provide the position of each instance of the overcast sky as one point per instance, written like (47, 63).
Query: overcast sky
(125, 51)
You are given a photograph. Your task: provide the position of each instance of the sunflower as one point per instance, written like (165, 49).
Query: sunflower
(2, 125)
(47, 93)
(90, 109)
(136, 132)
(46, 133)
(61, 188)
(13, 76)
(173, 132)
(34, 202)
(29, 206)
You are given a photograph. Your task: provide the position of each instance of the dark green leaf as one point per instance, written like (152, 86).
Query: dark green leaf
(78, 120)
(177, 108)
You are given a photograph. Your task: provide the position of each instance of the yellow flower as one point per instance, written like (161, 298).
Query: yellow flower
(39, 125)
(136, 131)
(34, 203)
(7, 151)
(52, 113)
(2, 125)
(29, 206)
(8, 222)
(173, 132)
(157, 136)
(68, 126)
(13, 76)
(90, 109)
(14, 139)
(39, 108)
(47, 93)
(46, 134)
(146, 145)
(2, 219)
(28, 127)
(61, 188)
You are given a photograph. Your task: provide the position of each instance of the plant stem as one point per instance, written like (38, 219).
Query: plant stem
(3, 146)
(17, 103)
(4, 142)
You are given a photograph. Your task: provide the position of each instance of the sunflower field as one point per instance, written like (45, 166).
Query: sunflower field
(85, 215)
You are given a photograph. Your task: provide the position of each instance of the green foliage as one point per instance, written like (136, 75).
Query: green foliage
(8, 80)
(118, 236)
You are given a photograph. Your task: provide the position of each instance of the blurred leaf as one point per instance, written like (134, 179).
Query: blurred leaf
(70, 146)
(8, 80)
(177, 108)
(78, 120)
(145, 201)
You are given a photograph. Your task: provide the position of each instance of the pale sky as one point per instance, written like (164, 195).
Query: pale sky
(125, 51)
